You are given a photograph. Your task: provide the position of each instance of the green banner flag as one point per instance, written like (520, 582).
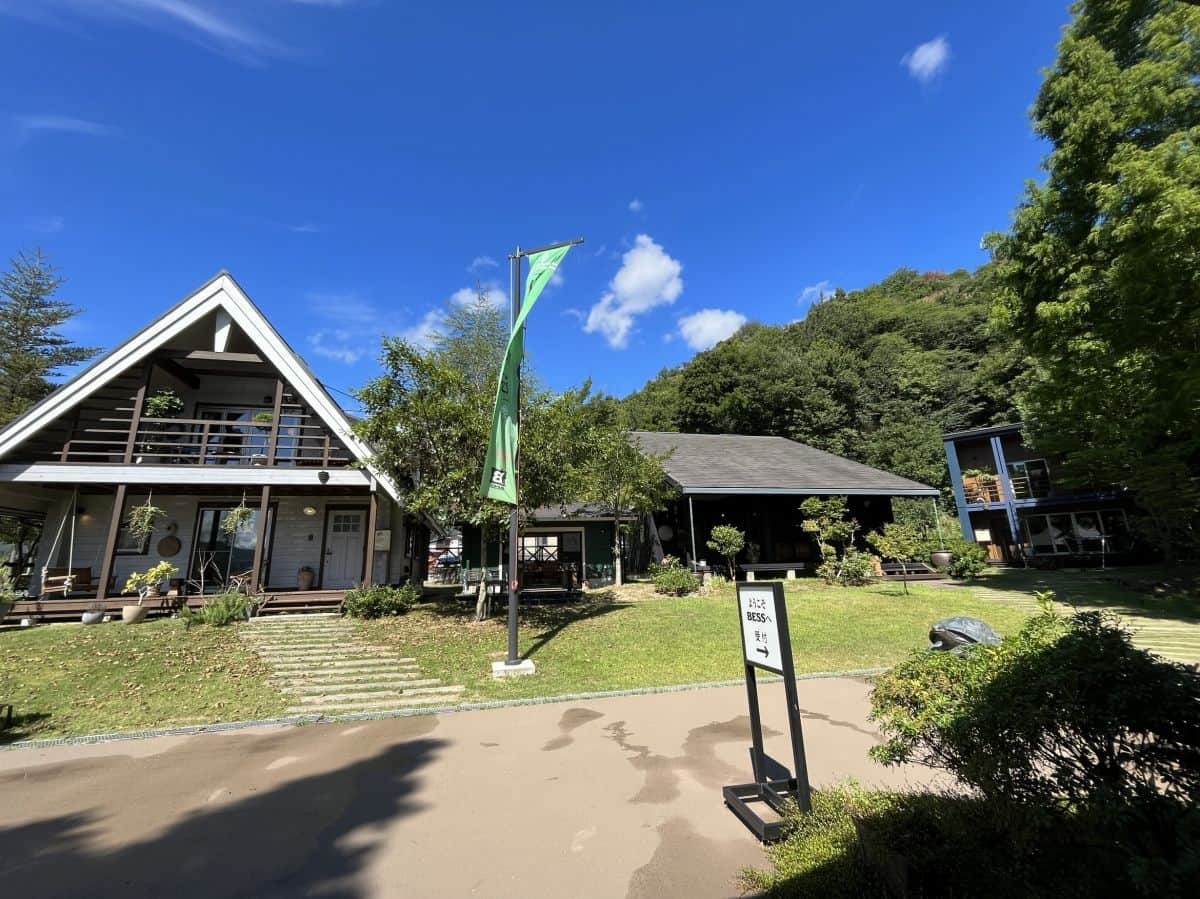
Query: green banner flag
(499, 480)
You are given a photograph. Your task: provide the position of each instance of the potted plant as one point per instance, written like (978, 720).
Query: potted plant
(164, 403)
(146, 583)
(237, 519)
(94, 613)
(262, 422)
(141, 519)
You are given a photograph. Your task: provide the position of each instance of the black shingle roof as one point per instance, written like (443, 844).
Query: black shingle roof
(733, 463)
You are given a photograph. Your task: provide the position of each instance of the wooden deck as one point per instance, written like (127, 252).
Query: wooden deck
(71, 608)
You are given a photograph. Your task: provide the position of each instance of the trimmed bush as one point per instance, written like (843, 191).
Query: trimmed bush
(676, 582)
(379, 601)
(969, 560)
(854, 569)
(219, 611)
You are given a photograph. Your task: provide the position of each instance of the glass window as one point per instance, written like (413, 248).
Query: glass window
(1030, 478)
(217, 556)
(1038, 530)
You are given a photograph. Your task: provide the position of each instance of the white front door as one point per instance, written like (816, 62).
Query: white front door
(344, 547)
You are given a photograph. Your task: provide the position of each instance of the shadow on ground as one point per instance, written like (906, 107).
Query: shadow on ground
(308, 836)
(1147, 591)
(23, 726)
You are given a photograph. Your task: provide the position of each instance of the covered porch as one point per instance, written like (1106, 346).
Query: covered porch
(299, 548)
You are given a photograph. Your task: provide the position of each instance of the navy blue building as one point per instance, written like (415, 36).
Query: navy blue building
(1010, 503)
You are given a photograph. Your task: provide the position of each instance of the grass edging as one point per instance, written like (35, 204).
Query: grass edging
(295, 720)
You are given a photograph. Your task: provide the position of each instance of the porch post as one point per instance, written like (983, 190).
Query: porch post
(135, 419)
(260, 538)
(110, 543)
(369, 558)
(273, 445)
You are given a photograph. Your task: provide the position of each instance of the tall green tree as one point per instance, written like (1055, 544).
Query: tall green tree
(620, 476)
(429, 414)
(877, 375)
(32, 348)
(1101, 269)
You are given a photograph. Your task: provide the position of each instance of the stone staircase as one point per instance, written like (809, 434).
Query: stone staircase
(319, 661)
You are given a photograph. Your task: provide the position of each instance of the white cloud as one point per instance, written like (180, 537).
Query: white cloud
(30, 125)
(814, 293)
(47, 224)
(304, 228)
(422, 333)
(705, 329)
(203, 22)
(482, 262)
(496, 294)
(635, 205)
(648, 277)
(926, 61)
(556, 279)
(355, 326)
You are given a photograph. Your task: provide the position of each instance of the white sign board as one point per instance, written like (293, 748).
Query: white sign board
(760, 631)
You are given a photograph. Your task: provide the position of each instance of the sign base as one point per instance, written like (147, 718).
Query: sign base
(773, 793)
(503, 669)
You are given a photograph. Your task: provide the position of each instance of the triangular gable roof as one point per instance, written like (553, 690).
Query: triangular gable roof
(220, 292)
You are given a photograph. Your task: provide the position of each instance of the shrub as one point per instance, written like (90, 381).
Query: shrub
(852, 570)
(727, 541)
(380, 601)
(668, 563)
(969, 560)
(219, 610)
(857, 843)
(676, 582)
(1065, 716)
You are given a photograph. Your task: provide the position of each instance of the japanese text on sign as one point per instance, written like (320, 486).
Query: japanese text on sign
(761, 644)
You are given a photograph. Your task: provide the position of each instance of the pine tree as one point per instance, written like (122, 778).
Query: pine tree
(32, 350)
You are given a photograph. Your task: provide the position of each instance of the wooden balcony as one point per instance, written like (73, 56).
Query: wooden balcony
(982, 489)
(300, 439)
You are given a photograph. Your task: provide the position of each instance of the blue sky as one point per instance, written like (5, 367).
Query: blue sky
(358, 164)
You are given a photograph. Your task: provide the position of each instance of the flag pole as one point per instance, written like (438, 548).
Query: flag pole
(513, 663)
(513, 518)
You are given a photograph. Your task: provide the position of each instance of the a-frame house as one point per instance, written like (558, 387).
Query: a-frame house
(255, 426)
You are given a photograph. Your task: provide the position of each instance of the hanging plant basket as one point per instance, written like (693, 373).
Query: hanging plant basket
(237, 519)
(141, 519)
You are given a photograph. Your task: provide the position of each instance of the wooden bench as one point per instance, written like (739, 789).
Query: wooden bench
(789, 569)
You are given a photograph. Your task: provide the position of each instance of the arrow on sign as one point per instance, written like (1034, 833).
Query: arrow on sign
(763, 650)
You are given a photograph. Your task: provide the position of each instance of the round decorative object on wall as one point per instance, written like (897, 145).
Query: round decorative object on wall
(665, 532)
(169, 546)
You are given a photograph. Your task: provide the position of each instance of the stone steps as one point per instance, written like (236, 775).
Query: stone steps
(375, 695)
(322, 663)
(411, 687)
(349, 708)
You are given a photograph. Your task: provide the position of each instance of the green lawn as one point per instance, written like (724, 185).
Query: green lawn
(76, 679)
(629, 638)
(71, 679)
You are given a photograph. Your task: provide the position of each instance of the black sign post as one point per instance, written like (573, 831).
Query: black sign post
(767, 644)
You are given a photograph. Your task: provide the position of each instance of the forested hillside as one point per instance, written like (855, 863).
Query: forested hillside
(877, 375)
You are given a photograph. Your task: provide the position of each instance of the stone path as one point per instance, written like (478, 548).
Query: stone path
(320, 662)
(1167, 637)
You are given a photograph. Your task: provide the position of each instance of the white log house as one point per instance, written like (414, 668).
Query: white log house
(256, 426)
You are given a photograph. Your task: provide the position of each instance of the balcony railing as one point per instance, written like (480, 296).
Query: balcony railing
(982, 490)
(192, 441)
